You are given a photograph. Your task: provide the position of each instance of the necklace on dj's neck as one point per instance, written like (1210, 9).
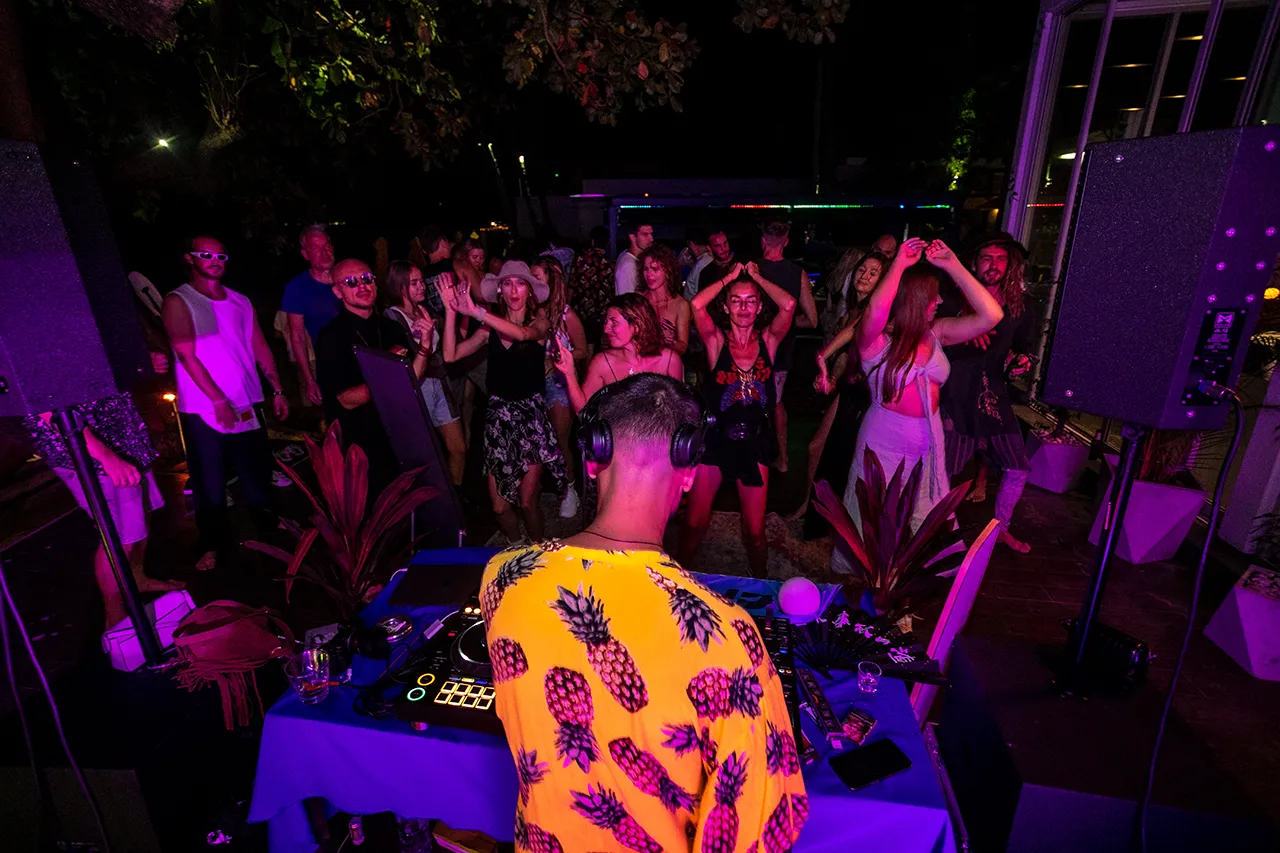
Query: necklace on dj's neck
(657, 546)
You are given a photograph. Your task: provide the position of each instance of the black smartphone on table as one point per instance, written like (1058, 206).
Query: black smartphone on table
(868, 764)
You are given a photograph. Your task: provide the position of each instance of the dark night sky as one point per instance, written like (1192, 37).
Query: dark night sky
(892, 84)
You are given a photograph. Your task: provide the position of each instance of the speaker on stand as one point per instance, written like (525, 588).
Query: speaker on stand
(69, 332)
(1171, 247)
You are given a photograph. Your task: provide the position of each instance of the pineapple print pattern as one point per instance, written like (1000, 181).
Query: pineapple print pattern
(529, 771)
(614, 762)
(717, 693)
(751, 641)
(720, 835)
(782, 826)
(648, 774)
(569, 701)
(585, 618)
(685, 739)
(508, 659)
(698, 622)
(688, 577)
(780, 752)
(799, 812)
(514, 568)
(603, 808)
(535, 838)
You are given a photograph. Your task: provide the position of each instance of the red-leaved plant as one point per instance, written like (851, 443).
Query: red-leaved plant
(347, 563)
(896, 569)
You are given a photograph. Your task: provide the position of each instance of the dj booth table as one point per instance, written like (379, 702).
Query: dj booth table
(362, 765)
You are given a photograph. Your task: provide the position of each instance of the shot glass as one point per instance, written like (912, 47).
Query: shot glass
(308, 673)
(868, 677)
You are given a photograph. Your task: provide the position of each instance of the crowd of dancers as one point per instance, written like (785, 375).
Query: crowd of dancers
(917, 356)
(918, 350)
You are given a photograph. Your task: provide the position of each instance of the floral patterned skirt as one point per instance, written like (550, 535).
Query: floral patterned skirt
(517, 436)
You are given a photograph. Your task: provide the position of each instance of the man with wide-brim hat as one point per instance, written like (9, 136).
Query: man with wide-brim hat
(491, 285)
(977, 406)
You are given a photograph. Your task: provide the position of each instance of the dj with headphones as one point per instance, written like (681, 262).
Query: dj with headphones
(605, 653)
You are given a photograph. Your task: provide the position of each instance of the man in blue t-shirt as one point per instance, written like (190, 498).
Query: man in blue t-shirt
(311, 305)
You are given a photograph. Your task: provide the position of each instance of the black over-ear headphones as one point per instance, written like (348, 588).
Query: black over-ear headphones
(596, 436)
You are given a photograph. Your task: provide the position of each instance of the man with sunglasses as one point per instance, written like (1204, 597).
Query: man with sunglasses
(219, 349)
(346, 397)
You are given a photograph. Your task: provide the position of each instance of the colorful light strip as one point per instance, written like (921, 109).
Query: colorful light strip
(586, 195)
(1048, 204)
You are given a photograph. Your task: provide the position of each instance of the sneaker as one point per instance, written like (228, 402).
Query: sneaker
(569, 505)
(280, 479)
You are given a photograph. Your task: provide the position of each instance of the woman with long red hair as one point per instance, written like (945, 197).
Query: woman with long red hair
(900, 345)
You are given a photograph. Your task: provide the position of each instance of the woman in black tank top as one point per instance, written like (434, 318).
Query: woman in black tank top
(741, 396)
(518, 437)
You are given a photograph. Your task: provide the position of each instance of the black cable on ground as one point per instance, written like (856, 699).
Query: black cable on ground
(1219, 392)
(17, 703)
(53, 708)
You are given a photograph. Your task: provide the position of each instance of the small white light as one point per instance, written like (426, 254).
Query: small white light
(163, 143)
(1070, 155)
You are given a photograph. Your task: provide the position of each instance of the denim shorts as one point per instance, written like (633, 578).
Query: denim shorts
(556, 392)
(439, 403)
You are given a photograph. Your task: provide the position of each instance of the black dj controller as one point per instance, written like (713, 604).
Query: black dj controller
(453, 684)
(777, 635)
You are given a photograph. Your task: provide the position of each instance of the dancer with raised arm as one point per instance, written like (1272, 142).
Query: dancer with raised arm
(742, 395)
(518, 437)
(900, 345)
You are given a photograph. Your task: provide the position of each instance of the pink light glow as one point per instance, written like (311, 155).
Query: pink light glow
(1222, 265)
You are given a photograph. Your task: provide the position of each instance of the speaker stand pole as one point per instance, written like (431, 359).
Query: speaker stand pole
(72, 429)
(1133, 440)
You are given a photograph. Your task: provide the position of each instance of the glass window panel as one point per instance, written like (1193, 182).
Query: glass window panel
(1267, 108)
(1228, 65)
(1132, 53)
(1177, 77)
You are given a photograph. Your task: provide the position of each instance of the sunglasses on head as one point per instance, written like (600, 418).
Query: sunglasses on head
(357, 280)
(210, 256)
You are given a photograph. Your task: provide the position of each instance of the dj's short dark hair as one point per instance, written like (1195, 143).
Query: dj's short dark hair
(648, 407)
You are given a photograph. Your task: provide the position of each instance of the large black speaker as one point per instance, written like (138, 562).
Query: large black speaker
(1171, 248)
(69, 331)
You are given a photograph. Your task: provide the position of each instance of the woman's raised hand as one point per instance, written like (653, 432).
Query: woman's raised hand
(465, 304)
(448, 292)
(940, 254)
(910, 251)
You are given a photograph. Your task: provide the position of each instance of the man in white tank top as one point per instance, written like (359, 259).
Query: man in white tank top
(219, 348)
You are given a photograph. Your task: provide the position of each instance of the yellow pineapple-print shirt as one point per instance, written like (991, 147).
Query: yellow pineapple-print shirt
(641, 709)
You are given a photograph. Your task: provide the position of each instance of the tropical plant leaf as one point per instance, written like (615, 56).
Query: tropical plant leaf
(833, 510)
(329, 471)
(304, 545)
(870, 531)
(270, 550)
(301, 483)
(937, 516)
(910, 493)
(355, 493)
(873, 476)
